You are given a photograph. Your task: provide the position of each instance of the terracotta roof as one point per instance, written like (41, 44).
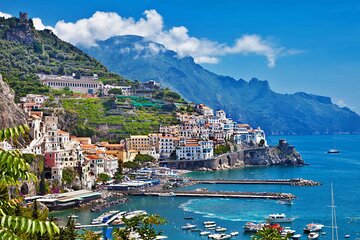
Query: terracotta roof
(191, 145)
(90, 146)
(93, 157)
(62, 132)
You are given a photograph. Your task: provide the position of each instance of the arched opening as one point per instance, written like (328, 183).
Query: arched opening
(24, 189)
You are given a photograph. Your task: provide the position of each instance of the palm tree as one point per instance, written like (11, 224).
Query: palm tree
(13, 170)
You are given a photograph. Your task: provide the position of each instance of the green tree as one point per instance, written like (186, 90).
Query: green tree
(142, 158)
(68, 175)
(142, 225)
(103, 177)
(90, 235)
(115, 91)
(14, 169)
(131, 165)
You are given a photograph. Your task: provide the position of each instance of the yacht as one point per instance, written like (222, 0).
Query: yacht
(279, 218)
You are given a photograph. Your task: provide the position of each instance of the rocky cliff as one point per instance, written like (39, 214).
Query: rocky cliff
(283, 154)
(10, 113)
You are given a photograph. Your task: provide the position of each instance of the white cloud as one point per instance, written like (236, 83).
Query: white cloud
(103, 25)
(40, 26)
(5, 15)
(341, 103)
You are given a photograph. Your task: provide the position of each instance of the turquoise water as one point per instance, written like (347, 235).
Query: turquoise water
(343, 170)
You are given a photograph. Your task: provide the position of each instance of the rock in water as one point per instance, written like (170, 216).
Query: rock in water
(10, 114)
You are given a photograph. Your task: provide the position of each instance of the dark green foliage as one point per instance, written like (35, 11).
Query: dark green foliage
(115, 91)
(221, 149)
(68, 175)
(131, 165)
(103, 177)
(143, 158)
(69, 231)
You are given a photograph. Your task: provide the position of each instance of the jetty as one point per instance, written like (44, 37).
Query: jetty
(292, 182)
(215, 194)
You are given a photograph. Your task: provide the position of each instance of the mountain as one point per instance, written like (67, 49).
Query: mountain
(25, 51)
(252, 102)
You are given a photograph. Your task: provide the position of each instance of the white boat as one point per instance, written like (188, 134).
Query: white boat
(253, 227)
(279, 218)
(136, 213)
(287, 231)
(188, 226)
(73, 216)
(210, 225)
(296, 236)
(220, 229)
(161, 237)
(208, 222)
(204, 233)
(313, 227)
(235, 233)
(333, 151)
(313, 235)
(218, 236)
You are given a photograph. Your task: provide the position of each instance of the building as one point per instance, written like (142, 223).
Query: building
(86, 84)
(125, 90)
(195, 150)
(167, 146)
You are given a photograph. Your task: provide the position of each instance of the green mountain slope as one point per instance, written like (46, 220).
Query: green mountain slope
(26, 51)
(252, 102)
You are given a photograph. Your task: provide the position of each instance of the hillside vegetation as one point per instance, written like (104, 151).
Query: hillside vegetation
(26, 52)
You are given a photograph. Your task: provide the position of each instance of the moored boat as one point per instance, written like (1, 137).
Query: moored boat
(208, 222)
(251, 227)
(220, 229)
(235, 233)
(313, 227)
(188, 226)
(210, 225)
(313, 235)
(204, 233)
(296, 236)
(279, 218)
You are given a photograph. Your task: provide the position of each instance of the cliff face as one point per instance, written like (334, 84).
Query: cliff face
(286, 156)
(10, 113)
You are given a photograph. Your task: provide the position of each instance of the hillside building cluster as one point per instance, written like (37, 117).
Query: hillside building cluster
(194, 138)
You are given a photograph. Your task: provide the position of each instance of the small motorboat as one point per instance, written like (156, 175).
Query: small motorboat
(188, 226)
(333, 151)
(208, 222)
(195, 230)
(347, 236)
(287, 231)
(279, 218)
(296, 237)
(313, 235)
(204, 233)
(210, 225)
(220, 229)
(313, 227)
(161, 237)
(188, 218)
(235, 233)
(218, 236)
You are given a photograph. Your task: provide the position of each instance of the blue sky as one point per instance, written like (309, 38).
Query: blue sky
(316, 43)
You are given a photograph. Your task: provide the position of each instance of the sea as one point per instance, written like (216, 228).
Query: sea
(312, 203)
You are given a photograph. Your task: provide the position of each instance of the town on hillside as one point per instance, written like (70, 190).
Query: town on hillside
(200, 135)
